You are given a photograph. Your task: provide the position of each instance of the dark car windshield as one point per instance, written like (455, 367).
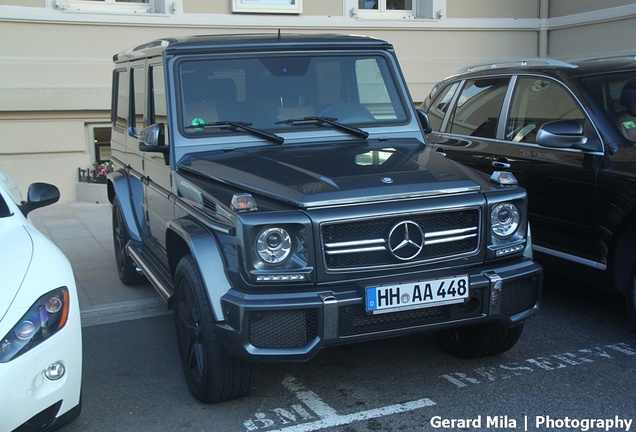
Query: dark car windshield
(265, 92)
(616, 93)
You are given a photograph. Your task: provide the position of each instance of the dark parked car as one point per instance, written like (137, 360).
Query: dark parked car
(567, 130)
(278, 192)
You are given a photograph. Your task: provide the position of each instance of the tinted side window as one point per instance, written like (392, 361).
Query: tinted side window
(139, 94)
(121, 100)
(439, 106)
(159, 108)
(537, 101)
(478, 107)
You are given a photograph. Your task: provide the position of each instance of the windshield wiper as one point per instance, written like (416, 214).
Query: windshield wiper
(326, 120)
(234, 125)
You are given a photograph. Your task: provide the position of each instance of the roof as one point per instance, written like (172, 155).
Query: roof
(576, 68)
(248, 42)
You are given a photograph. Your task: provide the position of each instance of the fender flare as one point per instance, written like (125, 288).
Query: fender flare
(204, 248)
(119, 189)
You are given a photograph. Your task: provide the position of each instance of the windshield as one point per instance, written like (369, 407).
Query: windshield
(7, 184)
(616, 93)
(266, 92)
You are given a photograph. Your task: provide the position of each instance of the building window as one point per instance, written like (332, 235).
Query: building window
(268, 6)
(398, 9)
(127, 6)
(386, 8)
(384, 5)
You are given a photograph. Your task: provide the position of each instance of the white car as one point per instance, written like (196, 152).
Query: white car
(40, 329)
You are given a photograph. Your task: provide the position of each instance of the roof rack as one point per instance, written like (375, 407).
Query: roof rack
(142, 50)
(623, 56)
(537, 61)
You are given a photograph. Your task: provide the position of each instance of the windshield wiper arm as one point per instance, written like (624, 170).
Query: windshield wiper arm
(234, 125)
(326, 120)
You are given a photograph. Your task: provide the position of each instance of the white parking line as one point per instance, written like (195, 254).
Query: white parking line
(328, 417)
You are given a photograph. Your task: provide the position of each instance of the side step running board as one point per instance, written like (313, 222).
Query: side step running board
(158, 277)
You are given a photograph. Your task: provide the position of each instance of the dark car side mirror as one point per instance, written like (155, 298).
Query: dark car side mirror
(562, 134)
(153, 140)
(40, 195)
(424, 121)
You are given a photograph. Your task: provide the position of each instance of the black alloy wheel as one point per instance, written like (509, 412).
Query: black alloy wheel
(211, 373)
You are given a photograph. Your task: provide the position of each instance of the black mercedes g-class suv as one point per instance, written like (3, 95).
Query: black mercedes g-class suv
(278, 192)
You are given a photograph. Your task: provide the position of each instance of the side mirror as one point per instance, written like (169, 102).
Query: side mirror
(153, 139)
(40, 195)
(562, 134)
(424, 121)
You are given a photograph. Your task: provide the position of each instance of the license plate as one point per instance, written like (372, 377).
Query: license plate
(415, 295)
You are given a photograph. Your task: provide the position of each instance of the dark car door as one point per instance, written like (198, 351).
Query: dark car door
(561, 182)
(491, 124)
(464, 117)
(157, 174)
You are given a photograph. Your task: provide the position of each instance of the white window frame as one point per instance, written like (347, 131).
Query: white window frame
(422, 9)
(268, 6)
(383, 13)
(90, 128)
(107, 6)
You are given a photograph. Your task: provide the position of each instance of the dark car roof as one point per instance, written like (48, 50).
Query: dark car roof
(603, 65)
(549, 66)
(249, 42)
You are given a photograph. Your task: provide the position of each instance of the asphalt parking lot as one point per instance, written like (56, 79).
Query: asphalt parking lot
(575, 364)
(573, 369)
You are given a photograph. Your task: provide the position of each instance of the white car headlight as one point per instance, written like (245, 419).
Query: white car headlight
(43, 319)
(504, 220)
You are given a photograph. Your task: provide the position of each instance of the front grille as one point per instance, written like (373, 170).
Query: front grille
(520, 295)
(366, 243)
(283, 329)
(355, 321)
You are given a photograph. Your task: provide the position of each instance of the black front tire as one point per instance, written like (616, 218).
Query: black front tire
(478, 341)
(126, 268)
(211, 373)
(630, 293)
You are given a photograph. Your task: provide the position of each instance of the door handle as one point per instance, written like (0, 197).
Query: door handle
(441, 151)
(501, 165)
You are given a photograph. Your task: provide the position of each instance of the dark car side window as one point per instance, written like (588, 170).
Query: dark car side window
(120, 105)
(535, 102)
(479, 107)
(139, 95)
(159, 106)
(439, 107)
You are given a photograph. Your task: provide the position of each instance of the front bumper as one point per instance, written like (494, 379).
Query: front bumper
(30, 400)
(295, 326)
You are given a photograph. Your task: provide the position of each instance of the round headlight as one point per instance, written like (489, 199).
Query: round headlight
(273, 245)
(504, 219)
(25, 330)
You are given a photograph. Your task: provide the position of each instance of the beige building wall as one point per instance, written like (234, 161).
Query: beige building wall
(56, 64)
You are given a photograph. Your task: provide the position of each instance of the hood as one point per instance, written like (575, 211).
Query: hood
(335, 173)
(15, 257)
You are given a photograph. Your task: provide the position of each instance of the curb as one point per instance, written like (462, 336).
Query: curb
(123, 311)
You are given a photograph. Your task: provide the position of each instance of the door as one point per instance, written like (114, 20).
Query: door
(157, 172)
(561, 182)
(467, 132)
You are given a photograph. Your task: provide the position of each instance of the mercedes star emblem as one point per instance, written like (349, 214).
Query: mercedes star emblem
(405, 240)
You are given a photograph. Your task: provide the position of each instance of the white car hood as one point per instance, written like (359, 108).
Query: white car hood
(15, 257)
